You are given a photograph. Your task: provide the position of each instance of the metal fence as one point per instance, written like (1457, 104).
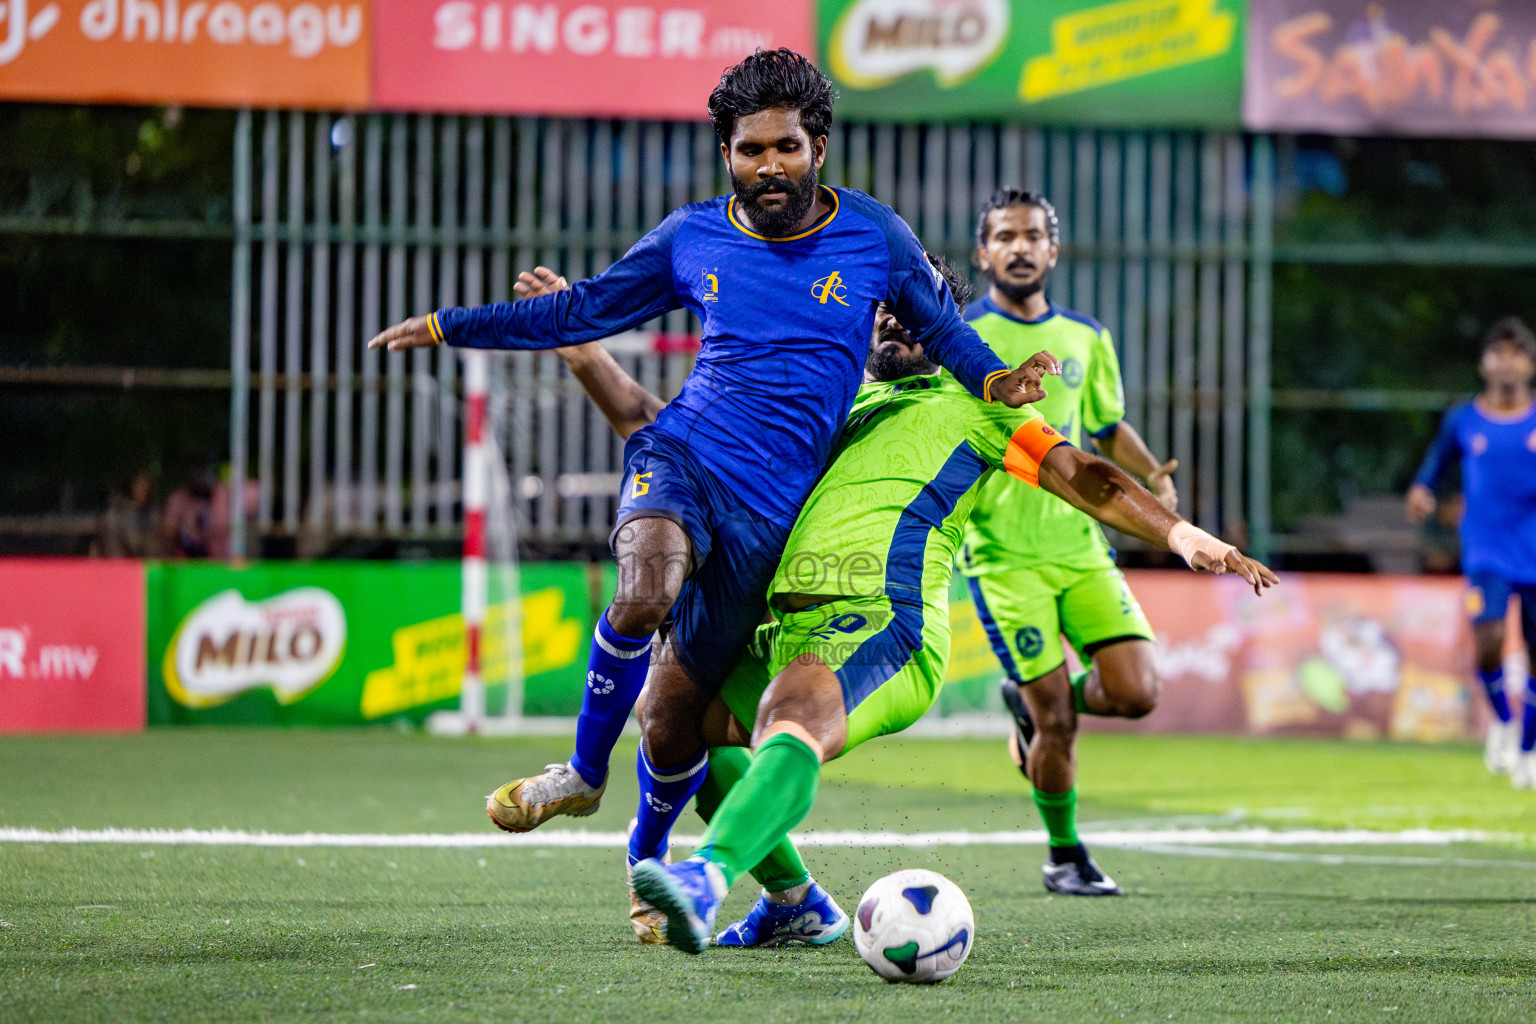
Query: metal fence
(344, 224)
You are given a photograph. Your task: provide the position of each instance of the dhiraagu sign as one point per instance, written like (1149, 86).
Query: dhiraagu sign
(335, 643)
(1133, 63)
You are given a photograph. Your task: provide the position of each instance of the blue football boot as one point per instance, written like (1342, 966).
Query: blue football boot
(816, 920)
(687, 894)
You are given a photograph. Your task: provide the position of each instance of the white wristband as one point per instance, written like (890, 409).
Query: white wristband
(1187, 540)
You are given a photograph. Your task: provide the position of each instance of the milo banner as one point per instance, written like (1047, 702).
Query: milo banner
(1133, 63)
(1392, 67)
(1362, 657)
(336, 643)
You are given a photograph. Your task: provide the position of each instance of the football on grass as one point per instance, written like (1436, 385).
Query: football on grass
(914, 925)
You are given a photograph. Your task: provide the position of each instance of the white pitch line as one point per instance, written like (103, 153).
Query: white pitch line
(1333, 859)
(1153, 840)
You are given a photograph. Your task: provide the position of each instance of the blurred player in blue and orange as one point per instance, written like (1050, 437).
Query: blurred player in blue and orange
(785, 275)
(1494, 436)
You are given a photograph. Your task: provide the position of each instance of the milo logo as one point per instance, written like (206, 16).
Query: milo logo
(878, 41)
(227, 645)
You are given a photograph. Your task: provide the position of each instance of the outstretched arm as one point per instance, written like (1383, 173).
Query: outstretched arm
(1107, 494)
(634, 289)
(624, 403)
(1123, 445)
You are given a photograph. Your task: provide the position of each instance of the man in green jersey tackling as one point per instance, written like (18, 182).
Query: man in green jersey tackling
(860, 637)
(1039, 569)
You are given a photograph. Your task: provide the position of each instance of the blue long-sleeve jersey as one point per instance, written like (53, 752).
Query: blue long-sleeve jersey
(786, 328)
(1498, 472)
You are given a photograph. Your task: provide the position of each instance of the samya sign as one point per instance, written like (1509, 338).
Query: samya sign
(206, 52)
(1392, 67)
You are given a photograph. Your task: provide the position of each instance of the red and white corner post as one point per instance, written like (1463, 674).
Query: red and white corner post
(476, 487)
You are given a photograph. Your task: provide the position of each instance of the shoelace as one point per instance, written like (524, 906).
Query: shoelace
(553, 784)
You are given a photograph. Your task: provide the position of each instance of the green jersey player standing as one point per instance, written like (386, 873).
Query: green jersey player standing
(1039, 569)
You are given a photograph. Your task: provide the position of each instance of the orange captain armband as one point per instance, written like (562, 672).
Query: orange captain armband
(1027, 448)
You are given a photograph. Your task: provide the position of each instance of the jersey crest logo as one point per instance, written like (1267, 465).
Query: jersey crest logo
(1479, 444)
(1530, 442)
(711, 288)
(1030, 642)
(1072, 373)
(831, 287)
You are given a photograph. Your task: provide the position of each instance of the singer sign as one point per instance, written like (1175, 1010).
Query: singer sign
(308, 53)
(614, 58)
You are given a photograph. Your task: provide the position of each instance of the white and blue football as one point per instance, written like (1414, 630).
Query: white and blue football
(914, 925)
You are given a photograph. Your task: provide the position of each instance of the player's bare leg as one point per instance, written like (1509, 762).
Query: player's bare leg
(1050, 762)
(1124, 682)
(654, 558)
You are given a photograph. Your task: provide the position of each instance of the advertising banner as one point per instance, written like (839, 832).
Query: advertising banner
(1134, 63)
(581, 58)
(71, 646)
(273, 53)
(338, 643)
(1361, 657)
(1392, 67)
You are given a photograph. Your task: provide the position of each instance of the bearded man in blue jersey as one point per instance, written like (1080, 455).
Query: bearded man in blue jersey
(1494, 436)
(785, 275)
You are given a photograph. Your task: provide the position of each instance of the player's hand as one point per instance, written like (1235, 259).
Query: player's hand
(542, 281)
(1024, 385)
(1420, 504)
(412, 333)
(1160, 483)
(1252, 570)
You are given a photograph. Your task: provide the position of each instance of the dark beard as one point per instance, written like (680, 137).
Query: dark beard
(798, 198)
(1018, 293)
(891, 365)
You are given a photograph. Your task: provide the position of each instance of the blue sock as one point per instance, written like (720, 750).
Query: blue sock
(1493, 682)
(616, 672)
(664, 792)
(1528, 717)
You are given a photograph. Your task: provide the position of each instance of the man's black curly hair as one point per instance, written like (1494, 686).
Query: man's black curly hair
(959, 286)
(1513, 330)
(772, 78)
(1005, 198)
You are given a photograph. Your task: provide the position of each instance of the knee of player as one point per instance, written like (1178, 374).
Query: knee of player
(638, 616)
(1056, 725)
(1139, 698)
(1490, 649)
(668, 742)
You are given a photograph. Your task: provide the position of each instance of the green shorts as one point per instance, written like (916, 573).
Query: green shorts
(889, 659)
(1025, 610)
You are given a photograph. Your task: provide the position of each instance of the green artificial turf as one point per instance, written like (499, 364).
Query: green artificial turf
(198, 933)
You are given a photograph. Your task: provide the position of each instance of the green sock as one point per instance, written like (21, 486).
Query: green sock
(782, 868)
(1079, 700)
(1059, 812)
(773, 797)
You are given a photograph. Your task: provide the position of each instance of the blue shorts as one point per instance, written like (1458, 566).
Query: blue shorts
(735, 552)
(1488, 599)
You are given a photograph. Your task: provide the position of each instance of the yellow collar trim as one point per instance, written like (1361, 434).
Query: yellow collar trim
(730, 213)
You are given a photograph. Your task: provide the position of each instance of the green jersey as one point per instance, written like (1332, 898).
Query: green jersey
(886, 518)
(1014, 526)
